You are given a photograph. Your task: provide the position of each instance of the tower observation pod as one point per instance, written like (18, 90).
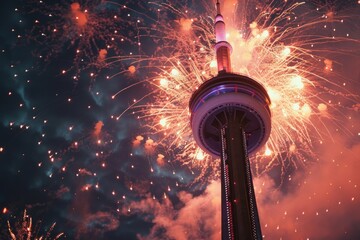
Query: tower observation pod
(231, 118)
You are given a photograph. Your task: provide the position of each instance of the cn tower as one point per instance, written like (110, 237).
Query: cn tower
(230, 119)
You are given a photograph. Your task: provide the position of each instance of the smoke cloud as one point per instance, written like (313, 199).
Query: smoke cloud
(197, 219)
(310, 207)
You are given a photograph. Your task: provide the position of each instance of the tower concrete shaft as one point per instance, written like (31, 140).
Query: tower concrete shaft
(240, 220)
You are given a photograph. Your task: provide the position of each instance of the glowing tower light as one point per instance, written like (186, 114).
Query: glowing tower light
(231, 118)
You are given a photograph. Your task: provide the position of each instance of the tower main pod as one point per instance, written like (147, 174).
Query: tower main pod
(231, 118)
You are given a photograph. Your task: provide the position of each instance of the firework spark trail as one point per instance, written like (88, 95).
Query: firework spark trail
(279, 50)
(24, 230)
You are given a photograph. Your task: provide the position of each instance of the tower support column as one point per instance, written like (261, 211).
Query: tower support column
(239, 219)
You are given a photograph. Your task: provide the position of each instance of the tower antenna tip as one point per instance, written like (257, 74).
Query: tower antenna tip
(218, 7)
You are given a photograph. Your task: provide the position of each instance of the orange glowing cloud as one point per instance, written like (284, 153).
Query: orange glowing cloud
(329, 191)
(185, 23)
(150, 146)
(79, 17)
(160, 160)
(138, 140)
(228, 6)
(97, 128)
(328, 64)
(102, 55)
(132, 69)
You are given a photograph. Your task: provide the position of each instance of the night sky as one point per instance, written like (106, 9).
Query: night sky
(67, 158)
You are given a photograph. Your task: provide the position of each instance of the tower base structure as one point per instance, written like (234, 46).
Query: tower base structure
(240, 219)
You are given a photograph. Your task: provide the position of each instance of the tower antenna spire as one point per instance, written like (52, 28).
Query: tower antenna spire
(222, 47)
(218, 7)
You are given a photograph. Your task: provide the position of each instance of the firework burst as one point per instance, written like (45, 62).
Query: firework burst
(90, 31)
(24, 230)
(277, 49)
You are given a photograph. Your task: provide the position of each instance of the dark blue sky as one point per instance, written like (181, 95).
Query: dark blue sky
(66, 159)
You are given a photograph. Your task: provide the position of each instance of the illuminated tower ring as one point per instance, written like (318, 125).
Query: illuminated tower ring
(216, 98)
